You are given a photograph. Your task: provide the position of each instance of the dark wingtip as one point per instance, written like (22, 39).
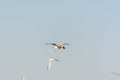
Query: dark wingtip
(50, 43)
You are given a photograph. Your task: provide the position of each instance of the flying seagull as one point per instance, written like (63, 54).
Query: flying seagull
(62, 46)
(50, 62)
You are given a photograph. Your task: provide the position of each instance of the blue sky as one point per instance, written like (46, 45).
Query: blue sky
(90, 26)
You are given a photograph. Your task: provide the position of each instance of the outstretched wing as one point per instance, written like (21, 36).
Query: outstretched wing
(49, 64)
(66, 44)
(51, 44)
(23, 78)
(57, 60)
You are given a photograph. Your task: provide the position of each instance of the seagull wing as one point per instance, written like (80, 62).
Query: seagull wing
(51, 44)
(23, 78)
(49, 64)
(65, 44)
(57, 60)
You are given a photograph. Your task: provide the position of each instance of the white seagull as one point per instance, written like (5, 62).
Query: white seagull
(58, 46)
(50, 62)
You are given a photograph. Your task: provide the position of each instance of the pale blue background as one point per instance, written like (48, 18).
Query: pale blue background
(92, 27)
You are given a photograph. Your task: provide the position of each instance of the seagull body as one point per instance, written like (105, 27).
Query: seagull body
(50, 62)
(62, 46)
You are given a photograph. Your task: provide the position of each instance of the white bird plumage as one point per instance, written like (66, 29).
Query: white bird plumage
(23, 78)
(50, 62)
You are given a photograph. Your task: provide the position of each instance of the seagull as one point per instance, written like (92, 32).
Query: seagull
(58, 46)
(50, 62)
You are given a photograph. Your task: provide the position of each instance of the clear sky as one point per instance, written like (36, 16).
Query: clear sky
(92, 27)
